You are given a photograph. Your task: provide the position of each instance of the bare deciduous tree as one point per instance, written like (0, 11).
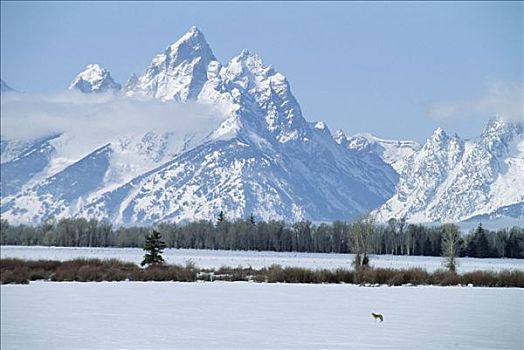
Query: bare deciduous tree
(361, 232)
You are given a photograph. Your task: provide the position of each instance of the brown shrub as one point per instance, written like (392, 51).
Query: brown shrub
(273, 274)
(444, 278)
(45, 265)
(344, 276)
(19, 276)
(506, 278)
(511, 278)
(375, 276)
(20, 271)
(166, 273)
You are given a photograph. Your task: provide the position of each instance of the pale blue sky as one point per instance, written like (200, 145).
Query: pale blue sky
(375, 67)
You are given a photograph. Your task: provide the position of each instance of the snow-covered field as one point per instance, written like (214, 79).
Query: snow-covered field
(241, 315)
(217, 258)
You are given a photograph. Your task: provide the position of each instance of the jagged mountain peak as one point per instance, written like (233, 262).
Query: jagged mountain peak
(94, 78)
(495, 123)
(191, 45)
(498, 136)
(179, 73)
(497, 127)
(440, 153)
(193, 34)
(248, 55)
(321, 128)
(438, 143)
(131, 82)
(249, 63)
(94, 68)
(439, 135)
(339, 136)
(260, 97)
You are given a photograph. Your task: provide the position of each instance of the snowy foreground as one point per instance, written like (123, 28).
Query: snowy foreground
(241, 315)
(218, 258)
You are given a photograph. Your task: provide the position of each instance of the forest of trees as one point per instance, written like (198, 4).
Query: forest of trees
(397, 237)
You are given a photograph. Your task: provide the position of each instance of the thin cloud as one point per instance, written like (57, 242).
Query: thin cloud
(502, 98)
(99, 118)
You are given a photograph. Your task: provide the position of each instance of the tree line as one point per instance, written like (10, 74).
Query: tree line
(360, 237)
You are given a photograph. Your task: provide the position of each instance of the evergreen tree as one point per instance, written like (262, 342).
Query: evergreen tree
(483, 249)
(153, 247)
(515, 244)
(251, 219)
(481, 243)
(221, 217)
(427, 248)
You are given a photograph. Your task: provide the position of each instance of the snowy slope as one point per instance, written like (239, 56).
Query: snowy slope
(262, 157)
(63, 180)
(237, 177)
(22, 161)
(451, 179)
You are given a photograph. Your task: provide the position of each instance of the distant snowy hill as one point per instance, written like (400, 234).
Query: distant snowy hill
(451, 179)
(260, 157)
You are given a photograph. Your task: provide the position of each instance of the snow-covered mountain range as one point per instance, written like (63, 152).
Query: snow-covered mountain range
(451, 179)
(256, 154)
(262, 156)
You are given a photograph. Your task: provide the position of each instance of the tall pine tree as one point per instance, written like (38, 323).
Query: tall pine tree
(153, 247)
(252, 219)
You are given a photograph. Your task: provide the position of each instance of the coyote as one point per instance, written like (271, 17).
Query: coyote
(377, 316)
